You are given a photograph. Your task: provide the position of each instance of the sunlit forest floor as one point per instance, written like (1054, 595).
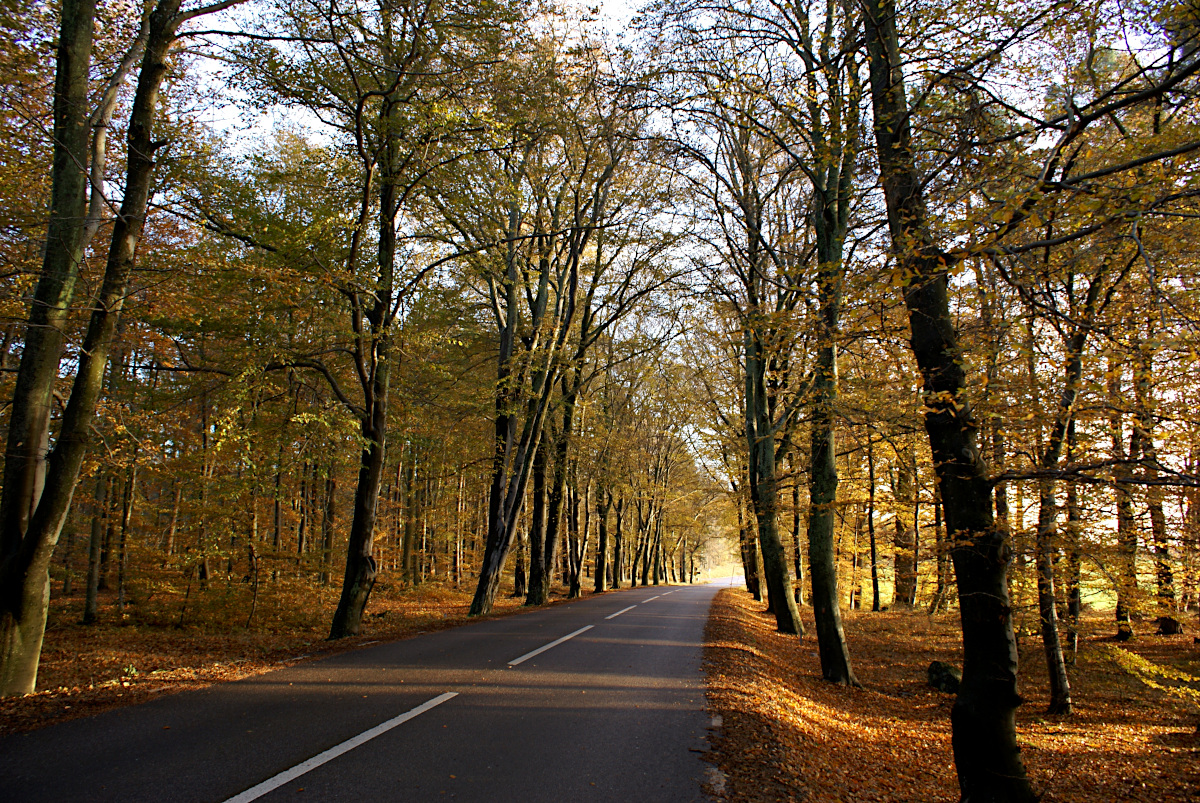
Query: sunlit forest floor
(163, 645)
(788, 735)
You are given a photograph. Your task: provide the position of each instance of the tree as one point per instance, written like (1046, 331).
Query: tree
(986, 754)
(781, 93)
(39, 484)
(561, 218)
(392, 83)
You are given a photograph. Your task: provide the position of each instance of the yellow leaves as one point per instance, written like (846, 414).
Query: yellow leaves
(1161, 677)
(937, 403)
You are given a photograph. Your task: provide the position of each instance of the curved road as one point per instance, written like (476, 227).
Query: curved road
(599, 700)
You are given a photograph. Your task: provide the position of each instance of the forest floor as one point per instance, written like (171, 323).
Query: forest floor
(788, 735)
(169, 641)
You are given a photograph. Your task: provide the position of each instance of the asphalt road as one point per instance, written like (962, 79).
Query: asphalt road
(598, 700)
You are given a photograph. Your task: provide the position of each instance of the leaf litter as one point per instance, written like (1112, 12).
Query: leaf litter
(788, 735)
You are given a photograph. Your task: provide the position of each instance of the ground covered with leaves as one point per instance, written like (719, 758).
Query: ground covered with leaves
(171, 640)
(788, 735)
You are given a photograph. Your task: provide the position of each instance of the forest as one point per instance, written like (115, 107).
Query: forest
(308, 304)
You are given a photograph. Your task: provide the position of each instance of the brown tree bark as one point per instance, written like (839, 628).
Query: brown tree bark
(987, 757)
(797, 546)
(1127, 532)
(618, 539)
(604, 501)
(328, 509)
(540, 570)
(875, 601)
(1074, 527)
(748, 545)
(25, 556)
(764, 487)
(127, 497)
(30, 523)
(904, 540)
(1164, 572)
(91, 604)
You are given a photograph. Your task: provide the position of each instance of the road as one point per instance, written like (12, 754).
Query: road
(600, 699)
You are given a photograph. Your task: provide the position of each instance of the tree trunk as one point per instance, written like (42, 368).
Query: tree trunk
(29, 417)
(998, 461)
(904, 542)
(173, 523)
(987, 757)
(374, 346)
(27, 541)
(327, 513)
(580, 535)
(656, 549)
(645, 547)
(520, 583)
(540, 569)
(507, 488)
(277, 509)
(68, 585)
(91, 604)
(1046, 548)
(749, 550)
(361, 568)
(822, 487)
(603, 505)
(618, 538)
(835, 655)
(1074, 579)
(1127, 534)
(511, 467)
(107, 538)
(764, 490)
(875, 602)
(1060, 687)
(1164, 573)
(558, 486)
(938, 605)
(798, 562)
(252, 556)
(1164, 570)
(408, 552)
(1189, 536)
(123, 557)
(301, 506)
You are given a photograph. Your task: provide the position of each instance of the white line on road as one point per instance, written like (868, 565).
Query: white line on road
(273, 783)
(652, 598)
(618, 613)
(554, 643)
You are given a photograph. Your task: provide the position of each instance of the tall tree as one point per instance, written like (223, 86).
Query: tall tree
(40, 480)
(391, 83)
(986, 754)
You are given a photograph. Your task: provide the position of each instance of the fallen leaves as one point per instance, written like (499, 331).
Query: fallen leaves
(789, 735)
